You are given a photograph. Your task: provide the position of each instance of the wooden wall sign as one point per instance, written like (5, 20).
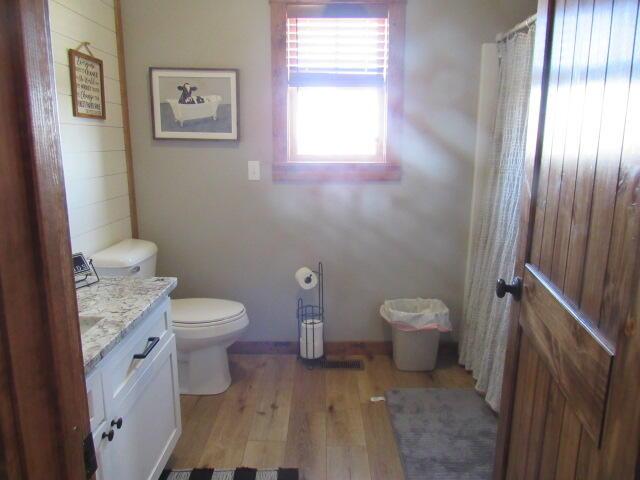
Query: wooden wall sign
(87, 85)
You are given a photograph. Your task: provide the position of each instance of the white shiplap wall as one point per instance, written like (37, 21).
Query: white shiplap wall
(93, 151)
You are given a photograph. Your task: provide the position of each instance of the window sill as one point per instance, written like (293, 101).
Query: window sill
(328, 172)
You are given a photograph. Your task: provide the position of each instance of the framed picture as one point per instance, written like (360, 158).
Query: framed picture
(87, 85)
(194, 103)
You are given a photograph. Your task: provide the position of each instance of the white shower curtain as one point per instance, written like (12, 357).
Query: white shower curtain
(493, 249)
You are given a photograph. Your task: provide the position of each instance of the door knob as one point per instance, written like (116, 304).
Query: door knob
(514, 288)
(109, 436)
(117, 423)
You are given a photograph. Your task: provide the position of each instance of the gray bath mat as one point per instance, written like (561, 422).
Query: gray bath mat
(443, 434)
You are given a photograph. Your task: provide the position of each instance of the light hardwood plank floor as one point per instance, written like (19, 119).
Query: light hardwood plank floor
(278, 413)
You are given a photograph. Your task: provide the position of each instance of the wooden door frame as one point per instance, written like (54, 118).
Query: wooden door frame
(620, 446)
(43, 406)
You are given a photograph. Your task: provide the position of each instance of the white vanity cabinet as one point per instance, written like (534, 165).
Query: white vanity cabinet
(134, 402)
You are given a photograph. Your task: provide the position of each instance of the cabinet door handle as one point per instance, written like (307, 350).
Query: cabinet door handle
(151, 343)
(117, 423)
(109, 435)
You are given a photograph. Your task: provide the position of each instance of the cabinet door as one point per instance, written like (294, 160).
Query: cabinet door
(95, 399)
(101, 446)
(150, 423)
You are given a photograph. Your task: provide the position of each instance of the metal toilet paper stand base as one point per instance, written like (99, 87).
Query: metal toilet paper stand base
(307, 314)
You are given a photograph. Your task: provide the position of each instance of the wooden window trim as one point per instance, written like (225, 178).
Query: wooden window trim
(390, 169)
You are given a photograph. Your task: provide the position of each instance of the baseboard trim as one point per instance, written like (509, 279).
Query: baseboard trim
(256, 348)
(331, 348)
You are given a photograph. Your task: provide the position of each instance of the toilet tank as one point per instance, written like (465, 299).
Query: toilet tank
(131, 257)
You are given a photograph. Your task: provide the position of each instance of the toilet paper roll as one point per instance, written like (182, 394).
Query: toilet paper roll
(306, 278)
(311, 344)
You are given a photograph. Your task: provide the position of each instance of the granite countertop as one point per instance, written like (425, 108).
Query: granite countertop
(120, 302)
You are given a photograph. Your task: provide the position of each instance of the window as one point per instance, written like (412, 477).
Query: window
(337, 85)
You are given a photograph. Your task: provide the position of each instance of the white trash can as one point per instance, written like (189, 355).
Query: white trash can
(415, 331)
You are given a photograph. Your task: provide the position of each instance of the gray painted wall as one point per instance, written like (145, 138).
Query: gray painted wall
(227, 237)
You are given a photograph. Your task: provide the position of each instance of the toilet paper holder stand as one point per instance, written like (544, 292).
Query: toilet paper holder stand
(311, 313)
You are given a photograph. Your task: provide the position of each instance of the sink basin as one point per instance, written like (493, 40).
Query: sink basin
(87, 322)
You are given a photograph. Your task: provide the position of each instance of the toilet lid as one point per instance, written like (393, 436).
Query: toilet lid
(200, 311)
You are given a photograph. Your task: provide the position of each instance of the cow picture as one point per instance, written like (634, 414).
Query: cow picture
(194, 104)
(186, 98)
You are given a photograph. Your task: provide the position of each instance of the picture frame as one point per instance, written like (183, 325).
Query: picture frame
(87, 85)
(194, 103)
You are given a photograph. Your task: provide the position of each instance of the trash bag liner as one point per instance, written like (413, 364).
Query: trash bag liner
(411, 314)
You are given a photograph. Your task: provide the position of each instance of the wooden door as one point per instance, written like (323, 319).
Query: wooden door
(571, 395)
(44, 417)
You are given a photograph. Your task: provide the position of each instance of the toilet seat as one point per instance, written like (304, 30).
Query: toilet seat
(194, 313)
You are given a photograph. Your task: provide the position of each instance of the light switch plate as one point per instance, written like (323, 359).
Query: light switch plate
(254, 169)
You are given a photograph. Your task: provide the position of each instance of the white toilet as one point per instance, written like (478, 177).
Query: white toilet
(204, 327)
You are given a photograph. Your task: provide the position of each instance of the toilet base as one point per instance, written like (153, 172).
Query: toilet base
(204, 371)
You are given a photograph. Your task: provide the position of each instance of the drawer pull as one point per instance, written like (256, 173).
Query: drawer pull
(117, 423)
(152, 342)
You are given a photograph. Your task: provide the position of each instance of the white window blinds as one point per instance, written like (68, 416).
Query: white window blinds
(337, 51)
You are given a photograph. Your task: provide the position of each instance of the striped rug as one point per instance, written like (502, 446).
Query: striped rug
(233, 474)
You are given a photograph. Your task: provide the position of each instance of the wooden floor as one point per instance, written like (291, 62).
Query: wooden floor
(279, 413)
